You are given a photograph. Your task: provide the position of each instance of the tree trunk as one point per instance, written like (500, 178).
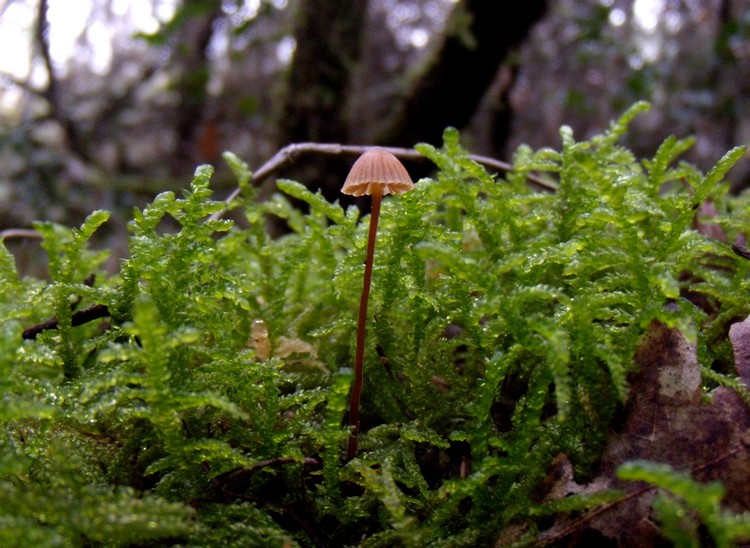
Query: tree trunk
(478, 37)
(191, 57)
(328, 46)
(728, 119)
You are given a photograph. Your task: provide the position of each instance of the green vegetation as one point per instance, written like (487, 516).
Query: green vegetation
(682, 500)
(209, 408)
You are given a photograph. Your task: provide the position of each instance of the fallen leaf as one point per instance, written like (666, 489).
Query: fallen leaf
(668, 421)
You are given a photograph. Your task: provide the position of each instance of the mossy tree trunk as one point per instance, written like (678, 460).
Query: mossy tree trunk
(192, 62)
(730, 75)
(328, 45)
(478, 38)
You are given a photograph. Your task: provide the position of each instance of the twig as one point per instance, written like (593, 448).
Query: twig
(290, 153)
(576, 524)
(42, 41)
(79, 318)
(26, 86)
(20, 233)
(52, 90)
(741, 250)
(249, 470)
(307, 461)
(5, 7)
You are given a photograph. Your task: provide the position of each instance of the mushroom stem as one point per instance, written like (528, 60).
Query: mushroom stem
(359, 358)
(376, 173)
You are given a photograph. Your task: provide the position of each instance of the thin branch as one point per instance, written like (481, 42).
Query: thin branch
(52, 91)
(5, 7)
(578, 523)
(307, 461)
(20, 233)
(741, 250)
(24, 85)
(42, 39)
(79, 318)
(291, 153)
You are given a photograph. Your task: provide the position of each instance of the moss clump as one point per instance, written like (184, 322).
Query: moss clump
(211, 409)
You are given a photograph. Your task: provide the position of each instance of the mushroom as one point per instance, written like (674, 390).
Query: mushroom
(376, 173)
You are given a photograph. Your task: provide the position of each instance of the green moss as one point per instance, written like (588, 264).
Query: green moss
(503, 329)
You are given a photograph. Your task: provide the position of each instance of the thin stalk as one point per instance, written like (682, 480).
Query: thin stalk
(359, 358)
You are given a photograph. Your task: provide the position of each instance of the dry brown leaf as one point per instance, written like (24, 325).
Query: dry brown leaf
(739, 335)
(666, 421)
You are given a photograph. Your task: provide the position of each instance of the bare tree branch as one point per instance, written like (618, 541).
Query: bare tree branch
(5, 7)
(80, 317)
(20, 233)
(26, 86)
(52, 91)
(291, 153)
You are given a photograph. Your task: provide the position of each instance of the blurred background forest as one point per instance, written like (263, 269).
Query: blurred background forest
(104, 103)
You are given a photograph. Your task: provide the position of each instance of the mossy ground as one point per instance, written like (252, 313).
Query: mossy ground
(208, 407)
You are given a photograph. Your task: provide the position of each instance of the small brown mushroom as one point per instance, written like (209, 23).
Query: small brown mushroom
(376, 173)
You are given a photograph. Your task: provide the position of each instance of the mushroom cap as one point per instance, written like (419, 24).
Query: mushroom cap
(377, 170)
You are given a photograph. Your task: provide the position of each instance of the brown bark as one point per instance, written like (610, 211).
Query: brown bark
(729, 78)
(478, 37)
(191, 58)
(328, 48)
